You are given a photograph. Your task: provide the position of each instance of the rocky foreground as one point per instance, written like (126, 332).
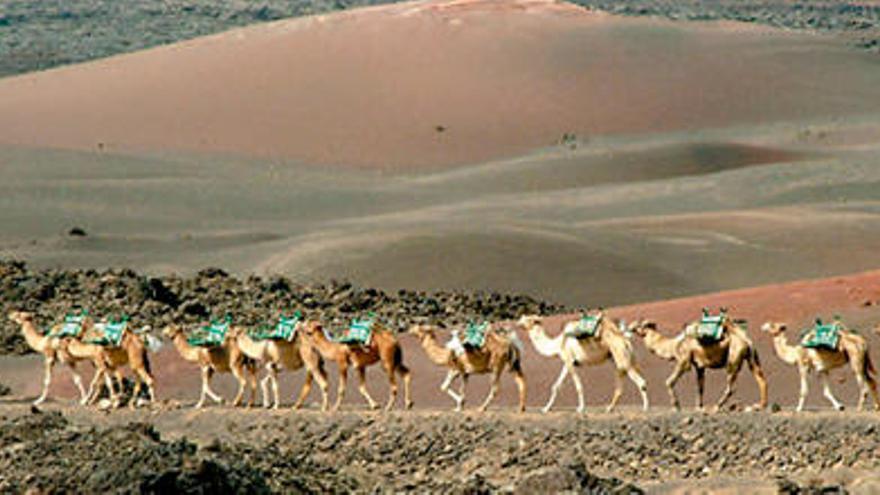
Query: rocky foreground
(221, 450)
(212, 293)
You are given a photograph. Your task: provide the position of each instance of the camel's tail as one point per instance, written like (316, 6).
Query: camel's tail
(398, 361)
(870, 372)
(515, 354)
(147, 366)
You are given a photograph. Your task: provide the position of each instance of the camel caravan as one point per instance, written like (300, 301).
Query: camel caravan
(293, 343)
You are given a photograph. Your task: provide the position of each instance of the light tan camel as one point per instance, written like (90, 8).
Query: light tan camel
(383, 347)
(47, 346)
(729, 353)
(499, 351)
(131, 352)
(609, 343)
(225, 358)
(282, 354)
(852, 349)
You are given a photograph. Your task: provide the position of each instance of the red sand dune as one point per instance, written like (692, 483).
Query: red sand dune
(432, 83)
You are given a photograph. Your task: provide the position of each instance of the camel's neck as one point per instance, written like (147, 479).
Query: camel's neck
(323, 345)
(436, 352)
(786, 352)
(659, 344)
(185, 350)
(32, 336)
(544, 344)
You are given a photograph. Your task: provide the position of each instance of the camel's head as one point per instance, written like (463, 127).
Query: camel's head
(421, 331)
(20, 316)
(774, 328)
(311, 328)
(529, 321)
(172, 331)
(641, 327)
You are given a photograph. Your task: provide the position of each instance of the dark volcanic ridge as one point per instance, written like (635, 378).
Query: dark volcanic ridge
(212, 293)
(857, 20)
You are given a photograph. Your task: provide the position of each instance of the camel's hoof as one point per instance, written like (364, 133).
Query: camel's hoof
(199, 406)
(545, 410)
(409, 405)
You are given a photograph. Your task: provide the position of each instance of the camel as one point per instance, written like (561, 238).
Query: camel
(131, 352)
(609, 343)
(283, 354)
(47, 346)
(499, 352)
(225, 358)
(729, 353)
(383, 347)
(852, 349)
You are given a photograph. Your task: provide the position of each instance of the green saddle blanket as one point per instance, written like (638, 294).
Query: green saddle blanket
(587, 326)
(711, 328)
(71, 326)
(284, 330)
(113, 331)
(211, 335)
(822, 336)
(359, 332)
(475, 335)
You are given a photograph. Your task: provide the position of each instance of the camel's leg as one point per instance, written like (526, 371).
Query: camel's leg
(701, 386)
(115, 385)
(493, 389)
(826, 390)
(132, 403)
(680, 368)
(238, 372)
(48, 364)
(320, 376)
(579, 388)
(406, 375)
(804, 372)
(362, 387)
(94, 387)
(304, 392)
(340, 387)
(211, 394)
(147, 379)
(275, 390)
(760, 379)
(866, 382)
(618, 391)
(204, 392)
(732, 374)
(77, 380)
(392, 387)
(555, 389)
(252, 371)
(520, 380)
(636, 377)
(446, 387)
(264, 388)
(462, 389)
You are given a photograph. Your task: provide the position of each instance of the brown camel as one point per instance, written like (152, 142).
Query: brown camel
(383, 347)
(280, 354)
(499, 351)
(47, 346)
(225, 358)
(608, 343)
(132, 352)
(729, 353)
(852, 349)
